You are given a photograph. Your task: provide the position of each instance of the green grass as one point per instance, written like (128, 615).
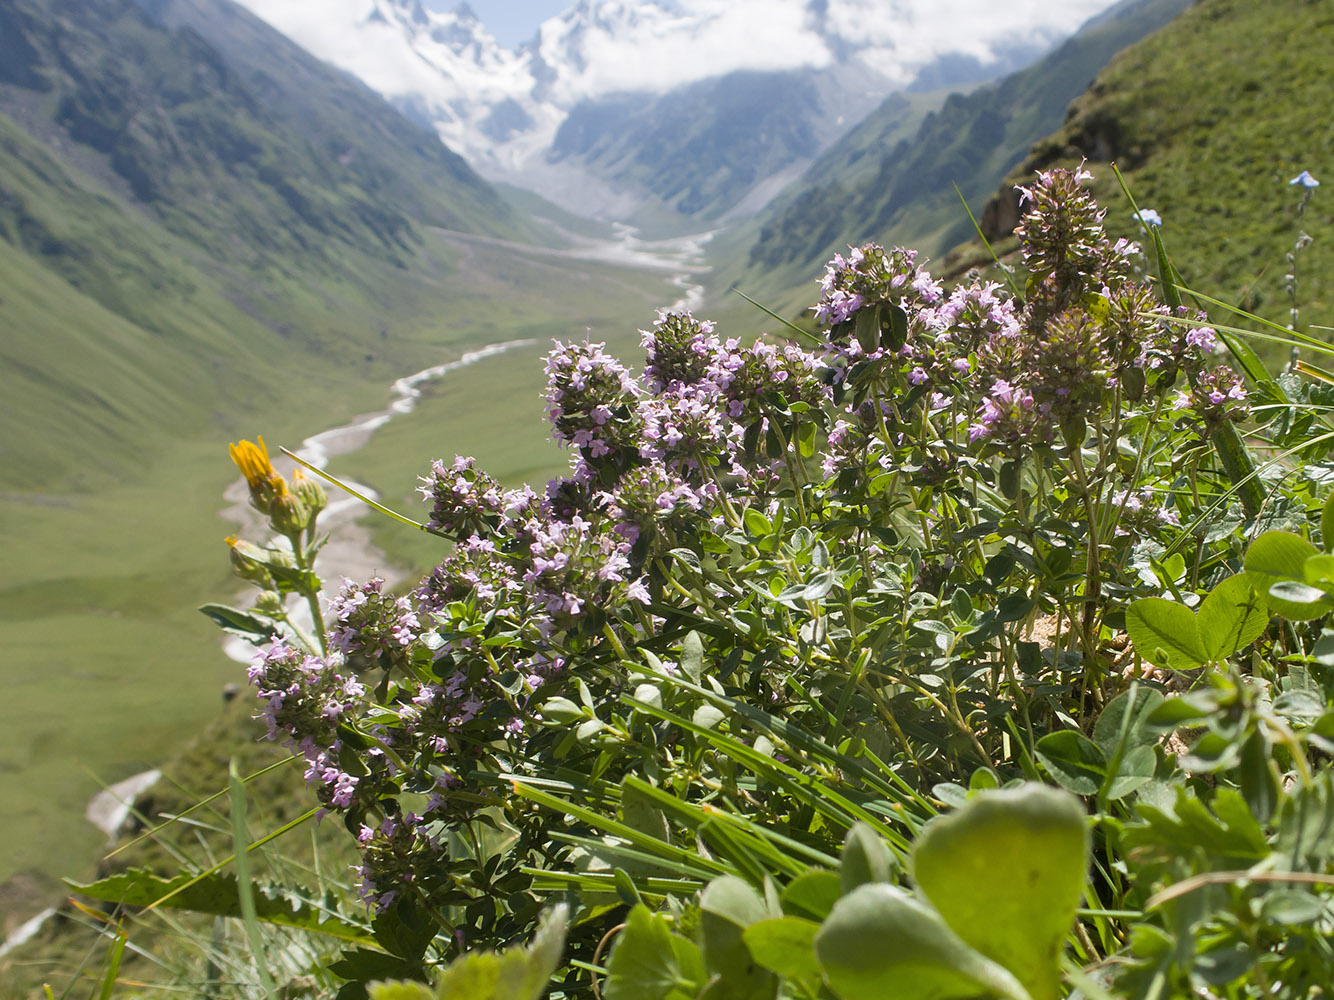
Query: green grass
(494, 410)
(892, 178)
(108, 663)
(1209, 120)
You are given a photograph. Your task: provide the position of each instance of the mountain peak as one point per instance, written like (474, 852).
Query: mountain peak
(501, 108)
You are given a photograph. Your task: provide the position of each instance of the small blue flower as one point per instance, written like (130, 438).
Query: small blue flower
(1305, 180)
(1148, 217)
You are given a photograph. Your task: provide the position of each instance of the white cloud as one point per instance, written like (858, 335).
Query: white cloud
(600, 47)
(650, 47)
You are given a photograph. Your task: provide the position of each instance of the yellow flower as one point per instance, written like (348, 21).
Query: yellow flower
(253, 461)
(266, 485)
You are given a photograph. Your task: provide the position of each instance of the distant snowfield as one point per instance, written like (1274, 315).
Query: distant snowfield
(500, 107)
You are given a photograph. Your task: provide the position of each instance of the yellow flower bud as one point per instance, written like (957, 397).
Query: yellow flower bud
(287, 513)
(248, 561)
(264, 482)
(310, 491)
(269, 603)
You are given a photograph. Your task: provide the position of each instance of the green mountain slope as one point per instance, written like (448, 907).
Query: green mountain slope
(261, 207)
(204, 235)
(699, 149)
(892, 179)
(1209, 120)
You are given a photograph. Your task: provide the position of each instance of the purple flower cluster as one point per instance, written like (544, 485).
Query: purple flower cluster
(574, 564)
(303, 697)
(1214, 397)
(1008, 416)
(680, 349)
(651, 503)
(463, 499)
(538, 587)
(369, 624)
(591, 399)
(1064, 243)
(1142, 512)
(871, 275)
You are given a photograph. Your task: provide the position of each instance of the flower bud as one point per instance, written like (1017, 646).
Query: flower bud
(311, 492)
(287, 513)
(264, 482)
(270, 603)
(248, 561)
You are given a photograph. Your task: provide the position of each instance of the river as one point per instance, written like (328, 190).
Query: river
(350, 551)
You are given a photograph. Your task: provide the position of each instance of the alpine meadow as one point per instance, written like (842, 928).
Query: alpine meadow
(766, 500)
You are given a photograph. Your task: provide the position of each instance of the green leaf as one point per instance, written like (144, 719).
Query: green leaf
(708, 716)
(645, 963)
(880, 943)
(1074, 762)
(1006, 871)
(519, 973)
(1232, 617)
(1292, 906)
(727, 907)
(1280, 557)
(1136, 768)
(812, 894)
(241, 623)
(867, 330)
(401, 990)
(217, 894)
(757, 524)
(692, 656)
(1327, 524)
(640, 812)
(897, 327)
(562, 711)
(866, 858)
(1157, 626)
(1128, 715)
(785, 945)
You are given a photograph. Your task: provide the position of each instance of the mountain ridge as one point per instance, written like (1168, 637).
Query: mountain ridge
(504, 109)
(891, 179)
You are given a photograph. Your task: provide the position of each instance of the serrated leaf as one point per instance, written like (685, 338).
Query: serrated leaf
(217, 894)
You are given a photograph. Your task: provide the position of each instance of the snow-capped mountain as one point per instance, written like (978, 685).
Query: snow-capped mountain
(503, 109)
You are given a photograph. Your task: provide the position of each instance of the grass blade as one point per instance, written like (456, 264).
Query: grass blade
(787, 323)
(241, 846)
(977, 228)
(113, 966)
(387, 512)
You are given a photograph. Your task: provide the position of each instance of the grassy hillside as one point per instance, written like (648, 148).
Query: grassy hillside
(198, 242)
(1209, 120)
(892, 179)
(699, 149)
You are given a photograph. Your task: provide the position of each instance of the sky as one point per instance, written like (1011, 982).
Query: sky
(511, 21)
